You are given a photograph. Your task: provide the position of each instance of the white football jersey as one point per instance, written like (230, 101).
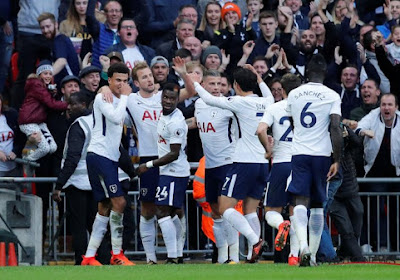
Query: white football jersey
(310, 106)
(108, 120)
(172, 129)
(214, 126)
(277, 117)
(248, 111)
(144, 114)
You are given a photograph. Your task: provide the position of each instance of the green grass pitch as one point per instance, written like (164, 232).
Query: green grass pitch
(205, 271)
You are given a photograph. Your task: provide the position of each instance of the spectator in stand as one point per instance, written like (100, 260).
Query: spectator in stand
(393, 48)
(325, 31)
(211, 22)
(80, 25)
(194, 46)
(268, 25)
(339, 11)
(160, 69)
(301, 21)
(392, 12)
(254, 7)
(65, 60)
(184, 29)
(276, 89)
(162, 16)
(212, 59)
(391, 71)
(31, 44)
(6, 39)
(235, 35)
(381, 128)
(371, 39)
(131, 50)
(370, 94)
(65, 4)
(32, 115)
(12, 141)
(226, 86)
(201, 5)
(90, 80)
(108, 34)
(69, 85)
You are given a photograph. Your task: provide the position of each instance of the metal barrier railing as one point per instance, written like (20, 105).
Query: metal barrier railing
(196, 246)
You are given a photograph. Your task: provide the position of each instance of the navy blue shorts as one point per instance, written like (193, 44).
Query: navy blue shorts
(309, 177)
(148, 181)
(214, 180)
(275, 194)
(171, 191)
(246, 180)
(103, 177)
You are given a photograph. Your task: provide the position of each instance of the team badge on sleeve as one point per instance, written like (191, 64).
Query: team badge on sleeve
(179, 132)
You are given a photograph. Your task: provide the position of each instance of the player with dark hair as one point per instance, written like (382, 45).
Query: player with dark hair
(315, 110)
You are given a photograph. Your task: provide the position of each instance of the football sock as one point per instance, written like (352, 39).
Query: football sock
(232, 238)
(254, 222)
(178, 229)
(241, 224)
(300, 220)
(315, 228)
(98, 230)
(183, 235)
(169, 234)
(294, 241)
(220, 240)
(274, 219)
(116, 228)
(147, 230)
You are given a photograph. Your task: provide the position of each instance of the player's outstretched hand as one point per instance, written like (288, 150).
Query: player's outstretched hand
(333, 170)
(195, 77)
(179, 65)
(141, 169)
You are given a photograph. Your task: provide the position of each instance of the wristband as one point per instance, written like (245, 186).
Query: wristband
(149, 164)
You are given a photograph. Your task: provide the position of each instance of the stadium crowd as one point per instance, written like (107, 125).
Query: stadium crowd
(58, 57)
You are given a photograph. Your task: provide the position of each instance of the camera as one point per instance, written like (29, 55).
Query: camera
(51, 87)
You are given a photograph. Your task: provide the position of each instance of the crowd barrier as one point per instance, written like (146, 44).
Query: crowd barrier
(199, 245)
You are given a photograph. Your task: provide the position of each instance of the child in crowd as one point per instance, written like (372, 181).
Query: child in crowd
(394, 47)
(33, 113)
(255, 7)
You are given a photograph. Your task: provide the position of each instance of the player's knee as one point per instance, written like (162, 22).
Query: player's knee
(163, 211)
(118, 204)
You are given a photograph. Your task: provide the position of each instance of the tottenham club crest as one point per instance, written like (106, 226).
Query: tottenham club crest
(113, 188)
(143, 191)
(213, 114)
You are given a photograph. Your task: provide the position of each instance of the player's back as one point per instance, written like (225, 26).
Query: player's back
(144, 114)
(214, 126)
(248, 112)
(277, 117)
(311, 105)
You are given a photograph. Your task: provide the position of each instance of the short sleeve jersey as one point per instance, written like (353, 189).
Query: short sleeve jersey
(248, 111)
(144, 114)
(215, 126)
(310, 106)
(172, 129)
(276, 117)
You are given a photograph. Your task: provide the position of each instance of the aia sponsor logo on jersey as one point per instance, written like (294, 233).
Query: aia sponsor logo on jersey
(6, 136)
(205, 127)
(151, 115)
(161, 140)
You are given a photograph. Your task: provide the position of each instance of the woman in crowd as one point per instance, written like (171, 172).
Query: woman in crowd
(80, 26)
(211, 21)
